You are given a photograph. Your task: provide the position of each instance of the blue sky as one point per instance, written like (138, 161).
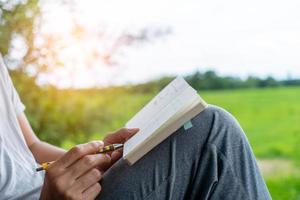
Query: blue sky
(233, 37)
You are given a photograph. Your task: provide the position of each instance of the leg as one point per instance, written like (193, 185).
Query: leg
(211, 160)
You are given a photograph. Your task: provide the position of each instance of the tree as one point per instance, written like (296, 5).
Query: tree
(43, 52)
(17, 20)
(57, 115)
(268, 82)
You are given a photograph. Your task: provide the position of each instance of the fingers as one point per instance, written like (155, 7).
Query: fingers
(75, 174)
(86, 163)
(78, 152)
(116, 155)
(92, 192)
(87, 180)
(120, 136)
(86, 183)
(105, 165)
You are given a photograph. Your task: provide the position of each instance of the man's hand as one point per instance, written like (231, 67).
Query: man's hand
(120, 136)
(76, 174)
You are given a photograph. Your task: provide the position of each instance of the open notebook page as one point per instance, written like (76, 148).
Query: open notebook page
(159, 111)
(158, 102)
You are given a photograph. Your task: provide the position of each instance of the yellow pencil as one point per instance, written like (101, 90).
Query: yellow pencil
(106, 149)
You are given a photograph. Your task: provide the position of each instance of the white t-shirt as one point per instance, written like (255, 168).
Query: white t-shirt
(18, 179)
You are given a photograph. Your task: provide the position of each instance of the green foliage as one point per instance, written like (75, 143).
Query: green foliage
(17, 17)
(151, 86)
(210, 80)
(73, 116)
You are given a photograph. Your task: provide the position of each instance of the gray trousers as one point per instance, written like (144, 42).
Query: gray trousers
(211, 160)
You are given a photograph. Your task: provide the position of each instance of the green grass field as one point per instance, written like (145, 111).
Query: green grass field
(270, 118)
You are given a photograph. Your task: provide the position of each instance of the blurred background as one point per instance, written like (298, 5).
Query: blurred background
(83, 68)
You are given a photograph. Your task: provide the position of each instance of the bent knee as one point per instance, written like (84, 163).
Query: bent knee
(221, 116)
(222, 124)
(218, 115)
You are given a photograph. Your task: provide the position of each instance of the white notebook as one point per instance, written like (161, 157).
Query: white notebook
(176, 104)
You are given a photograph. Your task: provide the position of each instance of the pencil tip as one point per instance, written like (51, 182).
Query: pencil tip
(39, 169)
(118, 145)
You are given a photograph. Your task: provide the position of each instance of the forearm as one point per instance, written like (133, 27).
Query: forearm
(44, 152)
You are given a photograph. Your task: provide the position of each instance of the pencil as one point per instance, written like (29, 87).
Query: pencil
(106, 149)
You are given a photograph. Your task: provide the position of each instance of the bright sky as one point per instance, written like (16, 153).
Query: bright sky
(233, 37)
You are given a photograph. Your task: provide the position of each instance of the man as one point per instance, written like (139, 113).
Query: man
(211, 160)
